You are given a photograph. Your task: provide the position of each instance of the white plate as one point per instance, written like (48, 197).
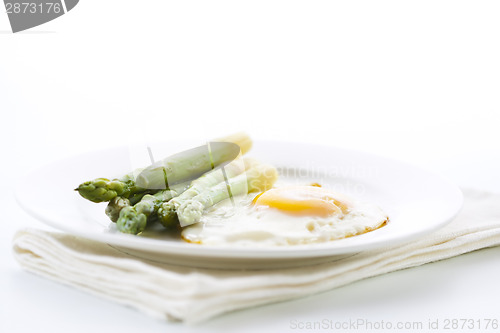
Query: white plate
(416, 201)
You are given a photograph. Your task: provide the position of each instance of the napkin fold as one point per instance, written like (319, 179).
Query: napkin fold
(197, 294)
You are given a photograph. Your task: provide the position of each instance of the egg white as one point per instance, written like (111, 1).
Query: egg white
(253, 225)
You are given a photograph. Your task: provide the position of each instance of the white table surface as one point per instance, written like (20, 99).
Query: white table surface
(416, 81)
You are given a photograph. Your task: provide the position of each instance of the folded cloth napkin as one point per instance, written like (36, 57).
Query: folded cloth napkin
(197, 294)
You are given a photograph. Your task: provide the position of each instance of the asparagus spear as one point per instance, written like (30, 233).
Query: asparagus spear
(116, 204)
(133, 219)
(257, 179)
(167, 212)
(240, 138)
(103, 189)
(194, 162)
(177, 168)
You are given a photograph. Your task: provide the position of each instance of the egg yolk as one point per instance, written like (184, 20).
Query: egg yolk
(302, 201)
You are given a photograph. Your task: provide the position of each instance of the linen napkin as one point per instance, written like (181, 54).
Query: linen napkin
(197, 294)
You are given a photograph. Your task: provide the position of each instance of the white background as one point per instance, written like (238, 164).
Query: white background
(414, 80)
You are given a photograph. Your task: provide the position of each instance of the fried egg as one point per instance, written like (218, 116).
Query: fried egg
(286, 215)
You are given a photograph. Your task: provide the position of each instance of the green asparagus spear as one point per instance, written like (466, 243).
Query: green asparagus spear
(103, 189)
(174, 169)
(257, 179)
(188, 164)
(116, 204)
(192, 163)
(167, 213)
(133, 219)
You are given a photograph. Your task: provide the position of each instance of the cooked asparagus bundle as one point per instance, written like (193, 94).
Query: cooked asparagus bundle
(173, 169)
(192, 163)
(167, 213)
(133, 219)
(258, 178)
